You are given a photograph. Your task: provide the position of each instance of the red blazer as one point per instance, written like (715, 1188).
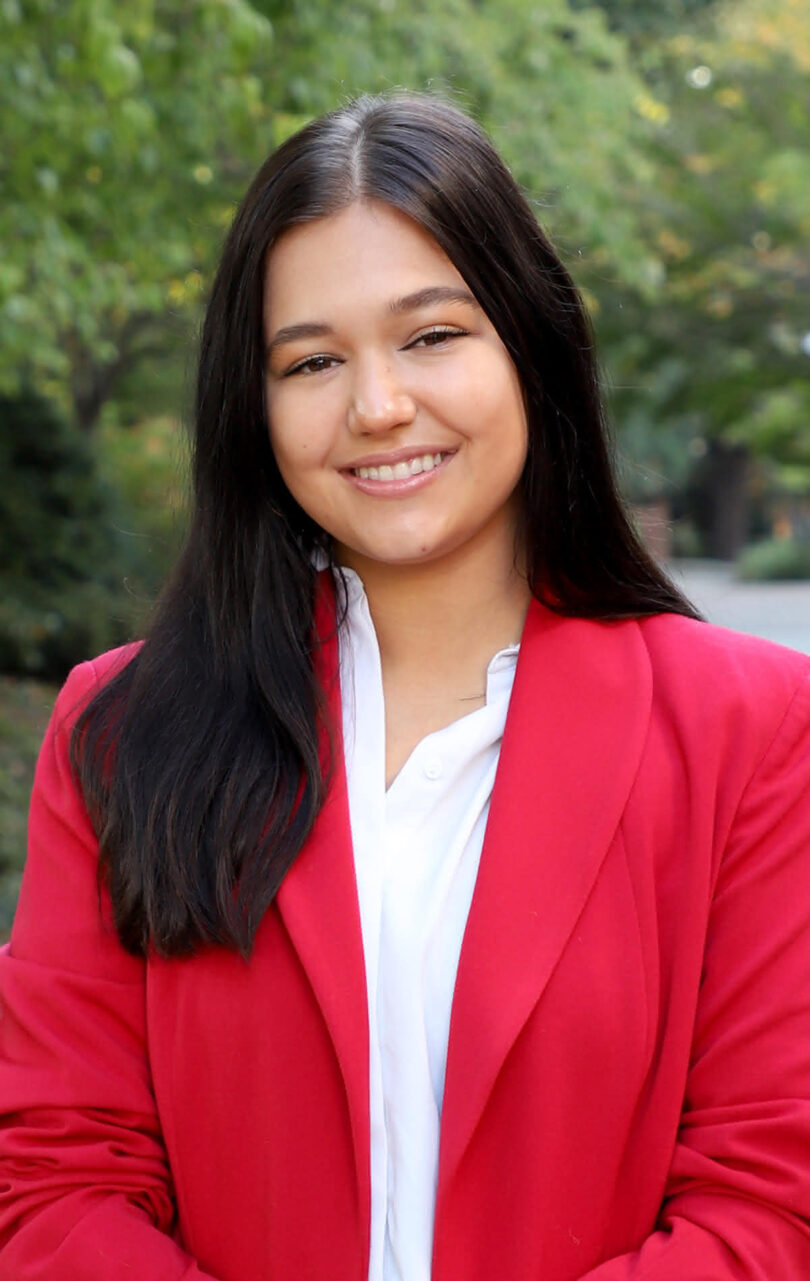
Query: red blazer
(628, 1078)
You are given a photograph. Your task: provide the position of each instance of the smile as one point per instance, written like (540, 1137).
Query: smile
(401, 470)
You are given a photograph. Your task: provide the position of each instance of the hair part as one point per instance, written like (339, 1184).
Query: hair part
(202, 761)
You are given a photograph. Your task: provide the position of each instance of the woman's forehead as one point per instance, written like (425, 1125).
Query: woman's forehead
(368, 252)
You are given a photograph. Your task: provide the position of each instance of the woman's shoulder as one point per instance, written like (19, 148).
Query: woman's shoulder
(712, 673)
(676, 641)
(108, 664)
(86, 679)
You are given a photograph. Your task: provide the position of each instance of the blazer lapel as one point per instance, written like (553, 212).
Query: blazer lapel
(571, 748)
(318, 904)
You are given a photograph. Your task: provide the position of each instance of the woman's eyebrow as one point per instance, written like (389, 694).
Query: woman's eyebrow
(431, 295)
(427, 297)
(291, 333)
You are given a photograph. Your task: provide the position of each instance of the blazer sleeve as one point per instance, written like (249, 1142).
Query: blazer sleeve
(738, 1196)
(85, 1187)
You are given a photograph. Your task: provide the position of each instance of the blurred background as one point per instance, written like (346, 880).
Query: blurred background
(664, 145)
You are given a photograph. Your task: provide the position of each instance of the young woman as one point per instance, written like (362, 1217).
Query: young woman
(427, 896)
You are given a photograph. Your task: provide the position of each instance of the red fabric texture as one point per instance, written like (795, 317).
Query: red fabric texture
(628, 1079)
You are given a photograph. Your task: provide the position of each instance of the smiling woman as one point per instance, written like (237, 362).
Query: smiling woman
(418, 900)
(416, 428)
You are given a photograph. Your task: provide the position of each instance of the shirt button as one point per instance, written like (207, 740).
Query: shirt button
(433, 769)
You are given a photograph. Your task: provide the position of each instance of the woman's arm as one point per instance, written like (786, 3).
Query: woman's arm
(85, 1187)
(738, 1196)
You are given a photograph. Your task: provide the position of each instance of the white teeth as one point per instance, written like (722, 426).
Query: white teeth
(400, 471)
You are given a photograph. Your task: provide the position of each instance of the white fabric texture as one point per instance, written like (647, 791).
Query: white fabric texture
(416, 851)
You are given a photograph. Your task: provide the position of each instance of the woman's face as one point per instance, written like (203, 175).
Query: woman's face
(396, 415)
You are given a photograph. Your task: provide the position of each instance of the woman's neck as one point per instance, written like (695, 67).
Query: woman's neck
(438, 625)
(445, 616)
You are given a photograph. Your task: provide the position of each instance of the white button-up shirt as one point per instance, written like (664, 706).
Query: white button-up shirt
(417, 848)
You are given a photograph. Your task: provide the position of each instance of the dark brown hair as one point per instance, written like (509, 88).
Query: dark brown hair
(200, 760)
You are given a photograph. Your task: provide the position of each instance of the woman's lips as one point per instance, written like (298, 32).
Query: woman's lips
(400, 477)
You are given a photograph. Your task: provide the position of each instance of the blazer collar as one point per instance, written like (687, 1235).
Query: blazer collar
(572, 745)
(319, 906)
(571, 749)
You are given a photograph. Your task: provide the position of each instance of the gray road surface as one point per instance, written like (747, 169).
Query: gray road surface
(777, 611)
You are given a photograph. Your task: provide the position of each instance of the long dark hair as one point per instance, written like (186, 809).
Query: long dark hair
(200, 761)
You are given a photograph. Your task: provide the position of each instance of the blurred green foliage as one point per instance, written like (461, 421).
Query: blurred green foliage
(773, 559)
(720, 353)
(128, 131)
(79, 561)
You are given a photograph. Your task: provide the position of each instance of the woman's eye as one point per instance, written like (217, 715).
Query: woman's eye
(433, 337)
(312, 365)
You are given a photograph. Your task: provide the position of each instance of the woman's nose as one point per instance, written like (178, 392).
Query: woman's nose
(379, 401)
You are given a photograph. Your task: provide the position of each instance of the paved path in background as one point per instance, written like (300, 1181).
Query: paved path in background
(778, 611)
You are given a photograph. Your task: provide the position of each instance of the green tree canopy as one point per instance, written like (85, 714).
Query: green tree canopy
(127, 130)
(721, 356)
